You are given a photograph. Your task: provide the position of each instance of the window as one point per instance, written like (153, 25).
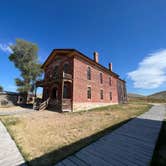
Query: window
(89, 93)
(101, 94)
(89, 73)
(101, 78)
(110, 81)
(48, 75)
(65, 92)
(55, 69)
(66, 68)
(55, 74)
(110, 95)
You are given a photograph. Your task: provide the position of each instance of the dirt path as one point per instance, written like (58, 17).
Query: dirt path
(9, 153)
(14, 110)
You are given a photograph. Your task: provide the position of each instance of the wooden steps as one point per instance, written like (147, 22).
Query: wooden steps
(44, 105)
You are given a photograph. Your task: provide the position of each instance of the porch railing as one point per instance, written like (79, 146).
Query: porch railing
(44, 105)
(67, 76)
(56, 78)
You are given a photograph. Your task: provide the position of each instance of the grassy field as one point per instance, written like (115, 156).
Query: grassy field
(146, 100)
(46, 137)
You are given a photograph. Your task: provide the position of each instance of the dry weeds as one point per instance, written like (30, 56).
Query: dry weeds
(38, 133)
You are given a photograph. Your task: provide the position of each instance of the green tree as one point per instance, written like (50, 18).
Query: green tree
(1, 89)
(25, 58)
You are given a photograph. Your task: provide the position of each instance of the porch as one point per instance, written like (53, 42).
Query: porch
(57, 93)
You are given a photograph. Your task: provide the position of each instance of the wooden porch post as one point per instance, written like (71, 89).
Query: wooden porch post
(35, 92)
(62, 94)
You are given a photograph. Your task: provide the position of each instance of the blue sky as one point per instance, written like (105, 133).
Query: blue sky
(129, 33)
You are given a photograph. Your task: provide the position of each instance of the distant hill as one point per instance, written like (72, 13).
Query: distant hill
(134, 95)
(159, 95)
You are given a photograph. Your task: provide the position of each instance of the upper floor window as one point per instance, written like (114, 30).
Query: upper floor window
(101, 94)
(56, 70)
(48, 75)
(101, 78)
(110, 81)
(66, 68)
(89, 73)
(89, 93)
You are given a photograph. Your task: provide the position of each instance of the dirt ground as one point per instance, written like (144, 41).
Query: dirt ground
(38, 133)
(12, 108)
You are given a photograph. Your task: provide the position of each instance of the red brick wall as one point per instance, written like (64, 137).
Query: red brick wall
(59, 61)
(80, 84)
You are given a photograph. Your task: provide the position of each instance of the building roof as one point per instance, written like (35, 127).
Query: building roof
(82, 56)
(9, 93)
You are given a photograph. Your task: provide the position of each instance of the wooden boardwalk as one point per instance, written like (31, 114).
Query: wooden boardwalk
(130, 145)
(9, 153)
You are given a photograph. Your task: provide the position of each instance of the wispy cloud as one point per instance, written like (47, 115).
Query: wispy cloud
(5, 47)
(151, 72)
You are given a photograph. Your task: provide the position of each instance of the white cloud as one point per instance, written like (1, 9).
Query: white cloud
(5, 48)
(151, 72)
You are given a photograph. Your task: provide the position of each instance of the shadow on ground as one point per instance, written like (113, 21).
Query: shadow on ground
(27, 106)
(159, 155)
(50, 159)
(53, 157)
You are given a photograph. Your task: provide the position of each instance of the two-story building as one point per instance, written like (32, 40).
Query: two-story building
(74, 82)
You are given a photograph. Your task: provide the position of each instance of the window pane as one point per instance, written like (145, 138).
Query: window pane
(101, 94)
(89, 73)
(110, 81)
(66, 68)
(101, 78)
(65, 92)
(110, 95)
(55, 74)
(89, 93)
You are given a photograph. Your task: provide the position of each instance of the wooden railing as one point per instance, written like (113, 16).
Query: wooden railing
(44, 105)
(67, 76)
(55, 78)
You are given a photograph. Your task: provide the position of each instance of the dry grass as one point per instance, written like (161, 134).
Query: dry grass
(38, 133)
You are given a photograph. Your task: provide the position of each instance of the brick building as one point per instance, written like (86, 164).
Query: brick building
(73, 82)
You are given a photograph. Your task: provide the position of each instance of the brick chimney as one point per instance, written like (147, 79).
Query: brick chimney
(96, 57)
(110, 66)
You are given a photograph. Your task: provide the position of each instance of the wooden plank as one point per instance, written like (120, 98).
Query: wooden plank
(127, 148)
(111, 156)
(139, 137)
(130, 145)
(122, 146)
(59, 164)
(77, 161)
(139, 127)
(91, 159)
(128, 140)
(68, 162)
